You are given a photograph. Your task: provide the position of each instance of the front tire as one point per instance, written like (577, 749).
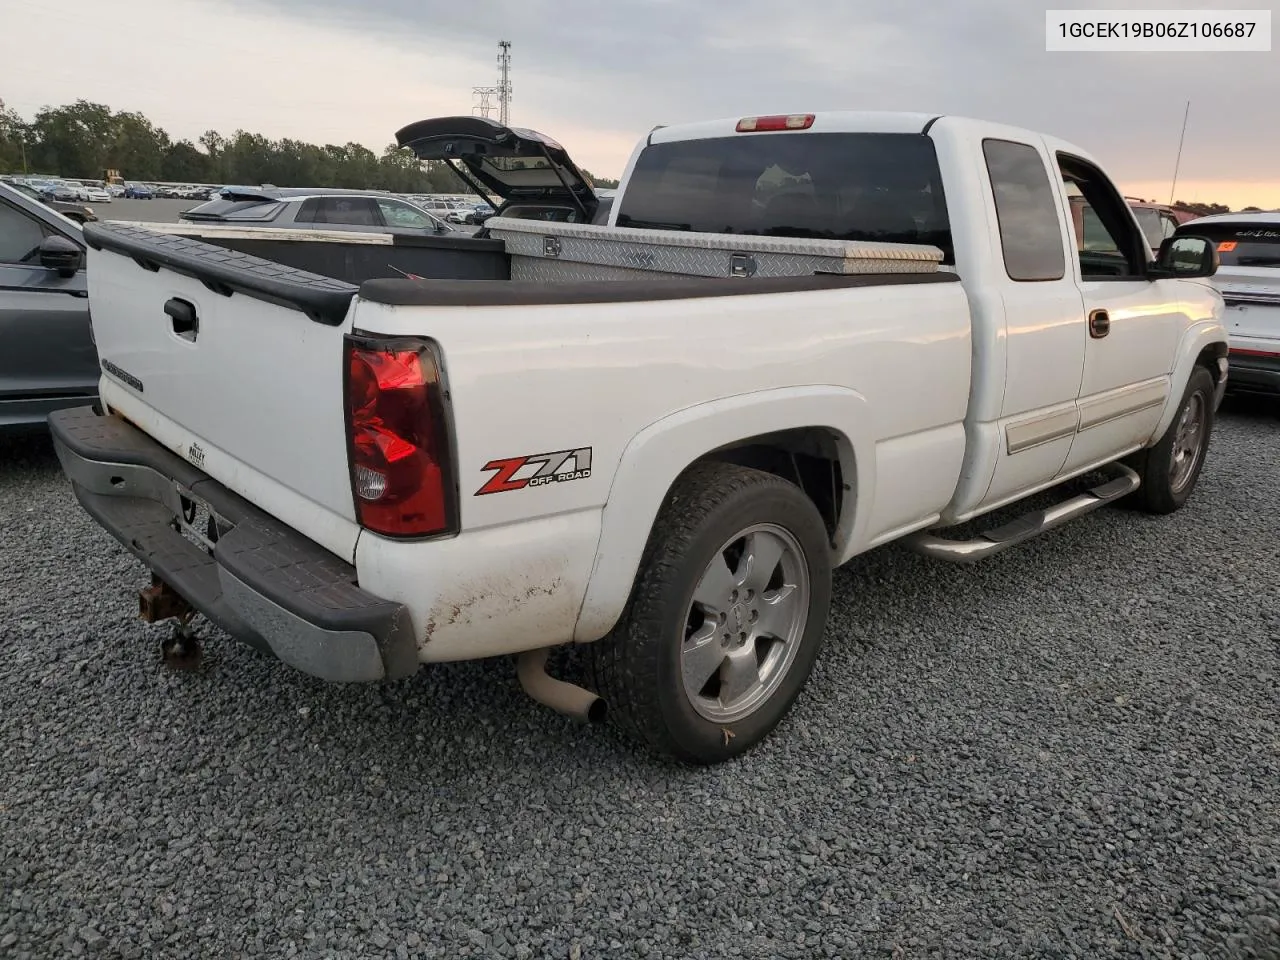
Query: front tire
(725, 619)
(1170, 469)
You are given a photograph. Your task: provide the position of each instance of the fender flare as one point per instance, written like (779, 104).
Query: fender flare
(1197, 337)
(659, 453)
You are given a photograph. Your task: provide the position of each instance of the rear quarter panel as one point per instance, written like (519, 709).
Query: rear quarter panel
(532, 380)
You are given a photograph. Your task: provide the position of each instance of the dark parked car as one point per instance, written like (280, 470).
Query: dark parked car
(47, 356)
(478, 214)
(138, 191)
(78, 212)
(315, 209)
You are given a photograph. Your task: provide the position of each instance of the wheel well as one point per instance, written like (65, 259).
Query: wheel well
(1209, 358)
(809, 457)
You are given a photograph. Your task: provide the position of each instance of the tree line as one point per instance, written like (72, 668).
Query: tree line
(83, 140)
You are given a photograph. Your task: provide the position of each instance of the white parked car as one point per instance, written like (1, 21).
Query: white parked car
(1248, 246)
(796, 339)
(97, 194)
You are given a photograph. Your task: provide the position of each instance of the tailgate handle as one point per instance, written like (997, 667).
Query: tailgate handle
(183, 317)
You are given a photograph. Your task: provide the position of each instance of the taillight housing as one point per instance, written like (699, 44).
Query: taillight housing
(793, 121)
(399, 444)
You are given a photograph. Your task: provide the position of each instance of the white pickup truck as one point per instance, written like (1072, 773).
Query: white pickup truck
(633, 455)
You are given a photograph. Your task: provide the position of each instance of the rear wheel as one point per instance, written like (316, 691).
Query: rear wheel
(1170, 469)
(726, 616)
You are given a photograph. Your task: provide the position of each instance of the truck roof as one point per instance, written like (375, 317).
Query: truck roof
(840, 121)
(830, 121)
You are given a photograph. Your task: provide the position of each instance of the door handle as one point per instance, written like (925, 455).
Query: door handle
(1099, 324)
(183, 319)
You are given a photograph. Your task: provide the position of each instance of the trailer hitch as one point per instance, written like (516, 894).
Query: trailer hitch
(161, 602)
(180, 650)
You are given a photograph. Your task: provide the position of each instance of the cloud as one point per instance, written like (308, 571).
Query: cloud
(631, 63)
(598, 75)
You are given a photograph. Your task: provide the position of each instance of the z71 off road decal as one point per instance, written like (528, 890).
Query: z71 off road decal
(551, 468)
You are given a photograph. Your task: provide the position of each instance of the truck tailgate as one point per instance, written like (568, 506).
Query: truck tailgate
(234, 363)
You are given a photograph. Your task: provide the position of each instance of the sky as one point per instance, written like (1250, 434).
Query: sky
(598, 75)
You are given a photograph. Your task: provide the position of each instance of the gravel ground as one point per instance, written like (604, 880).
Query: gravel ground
(1072, 750)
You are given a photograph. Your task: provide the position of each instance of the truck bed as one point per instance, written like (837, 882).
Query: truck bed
(349, 256)
(540, 251)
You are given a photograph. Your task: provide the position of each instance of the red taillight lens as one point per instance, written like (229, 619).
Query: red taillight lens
(398, 440)
(794, 121)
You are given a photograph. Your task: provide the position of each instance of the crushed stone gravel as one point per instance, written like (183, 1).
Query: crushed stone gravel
(1070, 750)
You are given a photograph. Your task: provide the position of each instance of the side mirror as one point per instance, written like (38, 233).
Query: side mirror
(1185, 258)
(59, 253)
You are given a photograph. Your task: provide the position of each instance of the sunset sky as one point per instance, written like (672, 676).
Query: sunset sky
(597, 75)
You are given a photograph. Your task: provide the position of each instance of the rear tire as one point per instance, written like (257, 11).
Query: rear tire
(1171, 468)
(725, 619)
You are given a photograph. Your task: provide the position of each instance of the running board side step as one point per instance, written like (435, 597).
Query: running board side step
(1028, 525)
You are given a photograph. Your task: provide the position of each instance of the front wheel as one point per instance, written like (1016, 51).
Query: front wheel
(726, 617)
(1170, 469)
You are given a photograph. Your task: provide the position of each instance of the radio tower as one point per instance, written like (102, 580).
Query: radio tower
(504, 82)
(502, 91)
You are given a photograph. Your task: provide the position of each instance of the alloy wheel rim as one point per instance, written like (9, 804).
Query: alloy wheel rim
(1188, 443)
(745, 623)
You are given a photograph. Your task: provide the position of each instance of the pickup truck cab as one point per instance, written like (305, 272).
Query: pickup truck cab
(644, 457)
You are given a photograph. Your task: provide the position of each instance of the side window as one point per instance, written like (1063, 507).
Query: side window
(354, 211)
(1108, 243)
(1168, 224)
(20, 235)
(1095, 237)
(1027, 211)
(308, 212)
(398, 214)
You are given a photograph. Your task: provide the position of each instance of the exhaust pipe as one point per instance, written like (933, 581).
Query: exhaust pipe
(567, 698)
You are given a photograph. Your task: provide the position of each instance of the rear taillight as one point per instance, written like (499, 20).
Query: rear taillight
(398, 441)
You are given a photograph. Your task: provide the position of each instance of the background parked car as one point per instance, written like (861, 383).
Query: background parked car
(1249, 279)
(67, 192)
(138, 191)
(47, 357)
(478, 214)
(1159, 221)
(316, 209)
(72, 211)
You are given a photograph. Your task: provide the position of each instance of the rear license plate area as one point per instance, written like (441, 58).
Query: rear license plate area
(197, 521)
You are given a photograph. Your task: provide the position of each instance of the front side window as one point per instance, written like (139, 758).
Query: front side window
(20, 236)
(1026, 211)
(1108, 246)
(398, 214)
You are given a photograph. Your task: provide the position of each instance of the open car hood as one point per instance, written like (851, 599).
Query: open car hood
(517, 165)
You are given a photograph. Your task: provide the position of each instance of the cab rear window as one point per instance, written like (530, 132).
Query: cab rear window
(883, 187)
(1240, 244)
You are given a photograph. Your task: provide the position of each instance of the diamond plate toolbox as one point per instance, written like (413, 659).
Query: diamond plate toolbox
(569, 251)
